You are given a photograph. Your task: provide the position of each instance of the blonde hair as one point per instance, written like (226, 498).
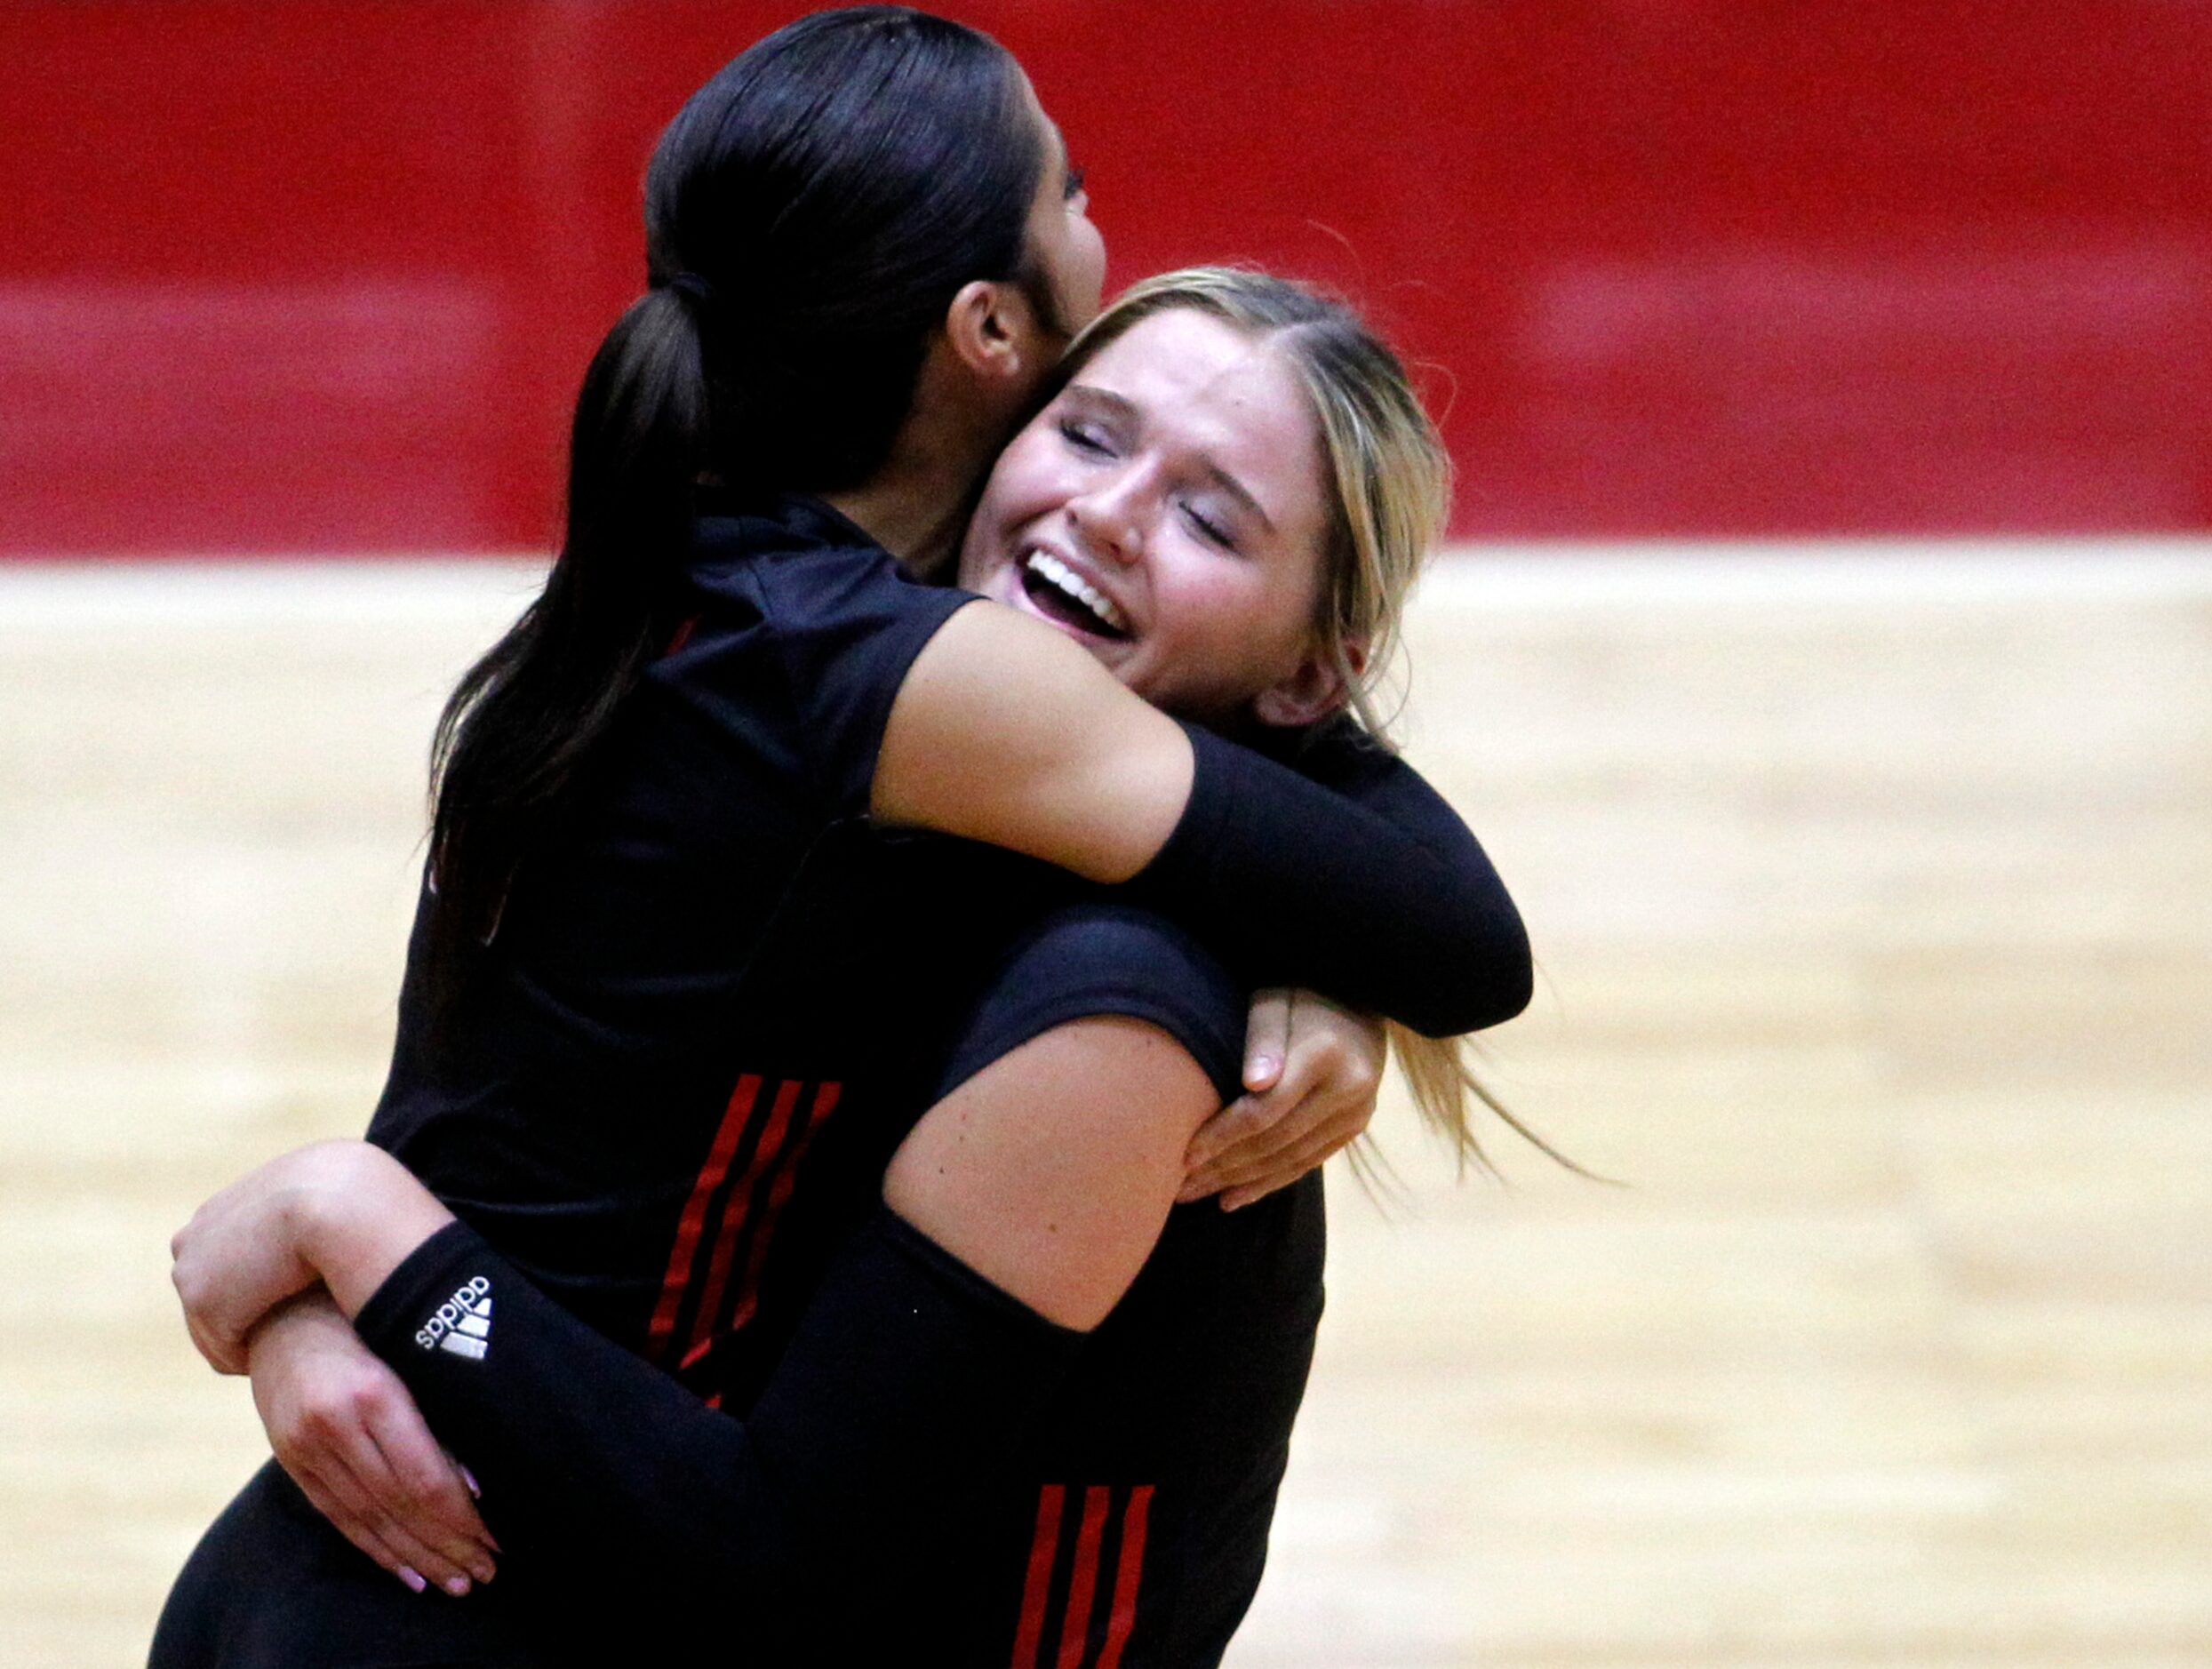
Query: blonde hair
(1389, 490)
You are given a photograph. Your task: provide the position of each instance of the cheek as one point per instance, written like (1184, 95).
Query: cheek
(1259, 633)
(1029, 482)
(1228, 609)
(1090, 266)
(1021, 485)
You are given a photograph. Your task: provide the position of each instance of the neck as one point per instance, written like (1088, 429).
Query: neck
(916, 505)
(918, 521)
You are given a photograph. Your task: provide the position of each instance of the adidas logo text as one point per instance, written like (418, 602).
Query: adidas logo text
(462, 1324)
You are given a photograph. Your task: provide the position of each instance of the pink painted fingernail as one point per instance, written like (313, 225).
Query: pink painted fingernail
(457, 1587)
(412, 1577)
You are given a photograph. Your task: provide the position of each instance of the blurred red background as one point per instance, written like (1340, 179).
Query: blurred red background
(323, 276)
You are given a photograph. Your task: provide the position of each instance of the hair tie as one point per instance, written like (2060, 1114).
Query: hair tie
(693, 289)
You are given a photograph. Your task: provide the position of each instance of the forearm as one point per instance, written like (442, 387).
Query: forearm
(1376, 895)
(908, 1378)
(354, 1231)
(342, 1213)
(1385, 902)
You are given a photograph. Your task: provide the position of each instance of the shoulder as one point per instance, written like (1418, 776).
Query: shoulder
(1097, 943)
(1336, 753)
(808, 565)
(1093, 959)
(797, 614)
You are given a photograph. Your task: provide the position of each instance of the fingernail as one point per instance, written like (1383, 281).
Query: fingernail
(457, 1587)
(1262, 1067)
(469, 1478)
(412, 1577)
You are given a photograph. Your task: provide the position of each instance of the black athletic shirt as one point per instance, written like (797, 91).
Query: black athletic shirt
(674, 1007)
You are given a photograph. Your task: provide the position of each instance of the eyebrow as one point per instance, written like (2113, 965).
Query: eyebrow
(1221, 477)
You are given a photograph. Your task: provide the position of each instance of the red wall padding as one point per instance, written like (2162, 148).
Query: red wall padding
(323, 276)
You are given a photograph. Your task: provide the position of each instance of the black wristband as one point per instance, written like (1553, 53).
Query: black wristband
(409, 1302)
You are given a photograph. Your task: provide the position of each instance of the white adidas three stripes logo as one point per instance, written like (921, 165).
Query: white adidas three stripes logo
(462, 1324)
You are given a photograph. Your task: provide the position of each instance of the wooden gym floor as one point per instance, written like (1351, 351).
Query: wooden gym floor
(1873, 891)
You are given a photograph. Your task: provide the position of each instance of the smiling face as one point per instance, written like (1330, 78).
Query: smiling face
(1165, 511)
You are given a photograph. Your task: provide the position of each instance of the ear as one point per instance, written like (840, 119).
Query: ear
(1314, 691)
(993, 335)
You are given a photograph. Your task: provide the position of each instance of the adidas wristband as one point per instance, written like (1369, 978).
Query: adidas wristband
(424, 1296)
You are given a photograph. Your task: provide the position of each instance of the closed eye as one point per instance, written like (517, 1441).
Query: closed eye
(1210, 528)
(1086, 437)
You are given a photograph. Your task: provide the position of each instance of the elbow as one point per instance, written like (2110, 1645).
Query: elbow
(1488, 977)
(1517, 987)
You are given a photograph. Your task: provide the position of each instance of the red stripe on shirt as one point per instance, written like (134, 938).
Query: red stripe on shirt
(694, 1217)
(1037, 1586)
(735, 1211)
(779, 1192)
(1127, 1575)
(1084, 1582)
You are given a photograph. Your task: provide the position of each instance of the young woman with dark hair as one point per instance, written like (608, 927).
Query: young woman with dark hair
(632, 787)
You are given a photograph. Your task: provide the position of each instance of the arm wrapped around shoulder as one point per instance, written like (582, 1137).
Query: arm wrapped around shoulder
(1384, 901)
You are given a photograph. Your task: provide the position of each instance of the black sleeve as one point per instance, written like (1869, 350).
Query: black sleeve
(910, 1379)
(1376, 895)
(849, 624)
(1096, 956)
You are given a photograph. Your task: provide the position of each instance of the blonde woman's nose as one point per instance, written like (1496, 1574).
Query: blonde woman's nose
(1106, 519)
